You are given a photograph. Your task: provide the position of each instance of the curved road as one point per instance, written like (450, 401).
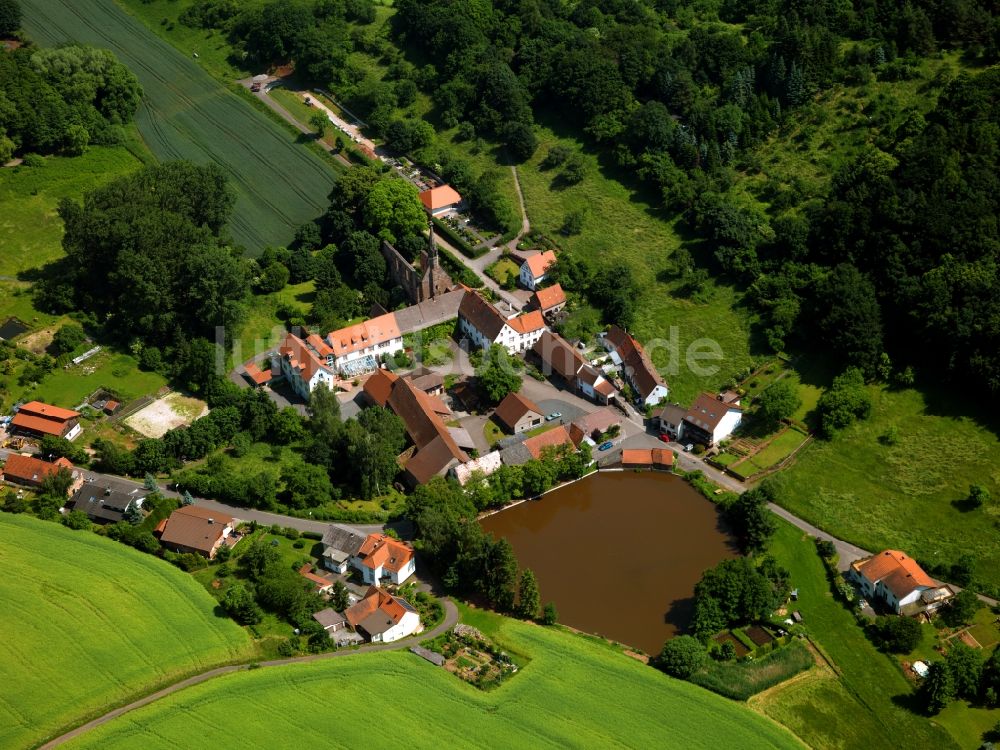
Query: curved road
(450, 619)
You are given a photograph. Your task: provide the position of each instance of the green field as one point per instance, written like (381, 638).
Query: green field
(626, 226)
(866, 707)
(901, 495)
(187, 115)
(30, 229)
(88, 623)
(575, 692)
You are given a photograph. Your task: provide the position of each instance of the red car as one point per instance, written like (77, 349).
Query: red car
(664, 437)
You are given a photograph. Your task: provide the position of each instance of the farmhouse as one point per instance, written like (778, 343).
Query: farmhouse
(899, 582)
(556, 355)
(382, 617)
(534, 269)
(382, 557)
(198, 530)
(518, 414)
(484, 325)
(29, 471)
(650, 388)
(435, 448)
(440, 200)
(549, 300)
(710, 419)
(485, 464)
(340, 545)
(303, 363)
(37, 420)
(107, 500)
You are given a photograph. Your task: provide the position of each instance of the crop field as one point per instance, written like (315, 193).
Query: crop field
(187, 115)
(88, 623)
(575, 692)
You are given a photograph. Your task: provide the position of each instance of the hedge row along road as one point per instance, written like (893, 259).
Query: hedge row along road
(186, 114)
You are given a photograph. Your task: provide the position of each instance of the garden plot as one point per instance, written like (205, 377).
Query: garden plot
(164, 414)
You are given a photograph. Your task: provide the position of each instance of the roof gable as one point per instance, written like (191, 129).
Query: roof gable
(539, 264)
(513, 407)
(439, 197)
(550, 297)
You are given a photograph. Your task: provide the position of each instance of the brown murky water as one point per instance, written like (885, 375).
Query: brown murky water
(618, 552)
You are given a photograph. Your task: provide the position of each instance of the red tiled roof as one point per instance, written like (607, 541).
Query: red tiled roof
(439, 197)
(361, 335)
(635, 362)
(539, 264)
(559, 355)
(550, 297)
(38, 424)
(436, 448)
(253, 372)
(899, 573)
(38, 409)
(30, 469)
(379, 550)
(707, 411)
(301, 357)
(376, 600)
(647, 457)
(321, 583)
(554, 437)
(528, 322)
(378, 386)
(513, 407)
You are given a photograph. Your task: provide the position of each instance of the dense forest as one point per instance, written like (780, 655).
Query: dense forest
(61, 100)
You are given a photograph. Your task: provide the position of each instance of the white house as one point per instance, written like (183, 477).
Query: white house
(340, 544)
(710, 419)
(441, 200)
(535, 269)
(381, 557)
(649, 386)
(382, 617)
(358, 348)
(898, 581)
(303, 365)
(484, 325)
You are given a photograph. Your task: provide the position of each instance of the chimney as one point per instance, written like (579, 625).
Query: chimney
(211, 521)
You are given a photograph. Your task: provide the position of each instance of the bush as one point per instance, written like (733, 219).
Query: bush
(682, 656)
(897, 635)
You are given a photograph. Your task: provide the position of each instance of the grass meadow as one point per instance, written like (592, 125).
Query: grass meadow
(89, 623)
(187, 115)
(575, 692)
(866, 706)
(901, 495)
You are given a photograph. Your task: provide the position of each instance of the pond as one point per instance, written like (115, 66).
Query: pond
(619, 552)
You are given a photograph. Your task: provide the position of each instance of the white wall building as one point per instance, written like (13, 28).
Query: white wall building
(535, 269)
(484, 325)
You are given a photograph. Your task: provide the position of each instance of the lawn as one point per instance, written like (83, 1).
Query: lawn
(186, 114)
(503, 270)
(773, 453)
(900, 496)
(867, 706)
(108, 369)
(262, 330)
(30, 229)
(575, 692)
(627, 226)
(89, 623)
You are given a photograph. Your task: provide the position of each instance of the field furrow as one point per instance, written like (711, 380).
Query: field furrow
(188, 115)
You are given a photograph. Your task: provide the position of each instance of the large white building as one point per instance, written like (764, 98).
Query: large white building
(312, 361)
(376, 556)
(484, 325)
(898, 581)
(711, 419)
(382, 617)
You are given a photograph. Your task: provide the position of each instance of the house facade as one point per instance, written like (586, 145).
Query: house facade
(383, 618)
(534, 270)
(303, 365)
(549, 300)
(484, 325)
(340, 546)
(897, 581)
(669, 419)
(557, 356)
(710, 420)
(383, 558)
(357, 349)
(638, 370)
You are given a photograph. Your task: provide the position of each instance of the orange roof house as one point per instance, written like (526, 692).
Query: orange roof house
(378, 386)
(302, 367)
(485, 325)
(441, 199)
(368, 334)
(381, 556)
(382, 617)
(550, 438)
(647, 458)
(892, 577)
(32, 472)
(256, 376)
(533, 269)
(517, 413)
(37, 420)
(551, 299)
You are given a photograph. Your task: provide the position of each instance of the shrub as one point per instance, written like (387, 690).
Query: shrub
(897, 635)
(682, 656)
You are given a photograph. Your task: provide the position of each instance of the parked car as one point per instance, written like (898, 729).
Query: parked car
(664, 437)
(605, 446)
(553, 415)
